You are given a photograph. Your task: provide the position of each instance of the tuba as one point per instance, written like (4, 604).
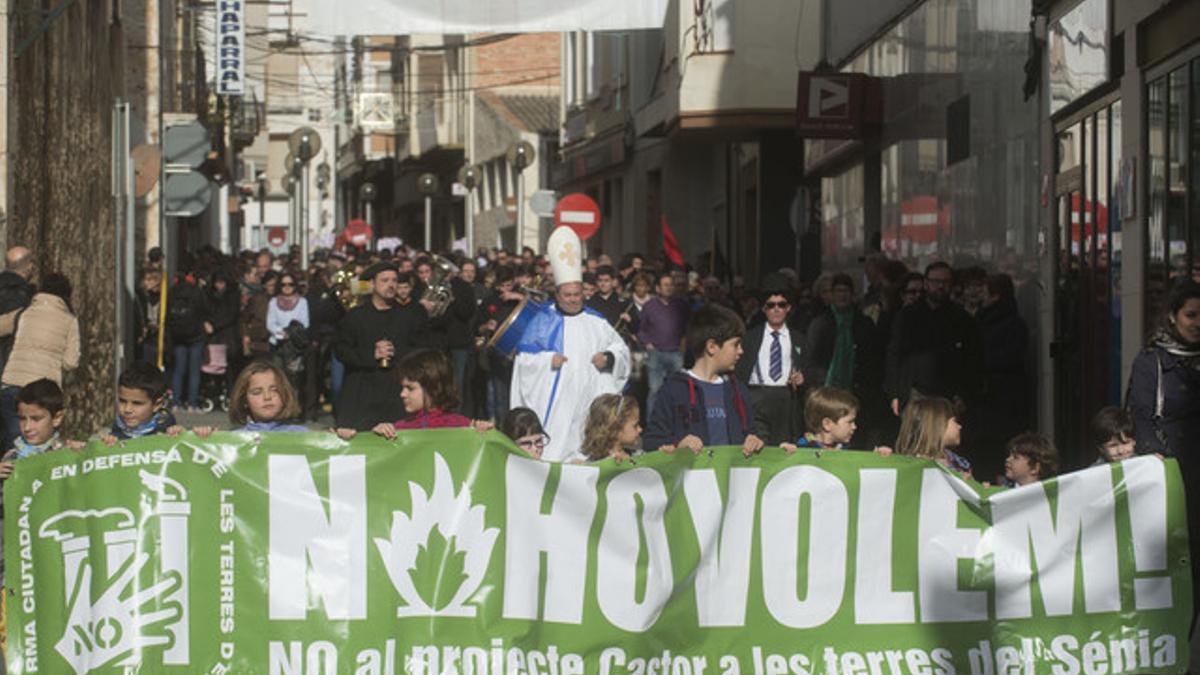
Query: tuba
(439, 292)
(347, 288)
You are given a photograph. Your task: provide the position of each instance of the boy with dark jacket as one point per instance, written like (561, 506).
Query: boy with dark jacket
(707, 405)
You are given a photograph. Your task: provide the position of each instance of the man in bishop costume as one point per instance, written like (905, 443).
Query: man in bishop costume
(568, 355)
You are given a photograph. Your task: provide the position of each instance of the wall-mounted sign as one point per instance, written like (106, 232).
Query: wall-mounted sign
(836, 105)
(231, 47)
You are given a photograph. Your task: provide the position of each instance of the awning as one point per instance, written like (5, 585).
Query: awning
(452, 17)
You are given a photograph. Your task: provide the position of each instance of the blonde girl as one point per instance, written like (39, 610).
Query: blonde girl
(929, 429)
(613, 427)
(263, 399)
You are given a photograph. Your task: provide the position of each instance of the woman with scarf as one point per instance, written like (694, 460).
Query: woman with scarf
(1164, 397)
(841, 351)
(287, 308)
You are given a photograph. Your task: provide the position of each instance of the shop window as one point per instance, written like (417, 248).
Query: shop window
(714, 25)
(1172, 185)
(842, 236)
(1078, 52)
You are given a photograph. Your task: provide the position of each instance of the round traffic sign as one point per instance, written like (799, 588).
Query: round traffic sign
(357, 233)
(580, 213)
(277, 236)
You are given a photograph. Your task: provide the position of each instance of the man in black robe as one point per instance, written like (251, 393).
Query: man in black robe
(370, 339)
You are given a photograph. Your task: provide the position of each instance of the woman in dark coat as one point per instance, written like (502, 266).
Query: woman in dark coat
(1164, 396)
(1169, 369)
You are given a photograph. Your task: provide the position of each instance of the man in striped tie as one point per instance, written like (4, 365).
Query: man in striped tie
(770, 365)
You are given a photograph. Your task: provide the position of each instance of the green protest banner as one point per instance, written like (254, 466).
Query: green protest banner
(448, 551)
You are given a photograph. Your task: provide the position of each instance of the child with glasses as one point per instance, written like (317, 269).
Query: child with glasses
(525, 429)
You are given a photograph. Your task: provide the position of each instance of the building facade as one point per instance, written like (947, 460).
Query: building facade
(1121, 146)
(430, 105)
(1053, 141)
(694, 125)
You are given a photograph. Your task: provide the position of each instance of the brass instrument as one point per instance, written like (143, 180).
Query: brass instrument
(439, 292)
(348, 289)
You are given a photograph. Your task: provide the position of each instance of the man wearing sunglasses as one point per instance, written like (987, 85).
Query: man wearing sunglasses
(770, 365)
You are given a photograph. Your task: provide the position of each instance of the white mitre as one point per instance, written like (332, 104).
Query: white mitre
(564, 250)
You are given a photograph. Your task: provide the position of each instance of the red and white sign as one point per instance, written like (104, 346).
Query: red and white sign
(580, 213)
(357, 234)
(277, 236)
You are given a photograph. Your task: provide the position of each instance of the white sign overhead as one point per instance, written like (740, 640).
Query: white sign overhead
(443, 17)
(231, 47)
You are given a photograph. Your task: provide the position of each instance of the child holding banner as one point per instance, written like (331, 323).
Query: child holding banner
(525, 429)
(830, 417)
(428, 394)
(613, 426)
(1113, 434)
(1031, 458)
(706, 405)
(39, 414)
(141, 406)
(263, 400)
(929, 429)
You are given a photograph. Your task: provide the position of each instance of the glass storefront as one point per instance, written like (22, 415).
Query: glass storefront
(1173, 167)
(1087, 341)
(957, 152)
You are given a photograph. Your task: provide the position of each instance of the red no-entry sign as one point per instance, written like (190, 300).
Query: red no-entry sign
(277, 236)
(578, 212)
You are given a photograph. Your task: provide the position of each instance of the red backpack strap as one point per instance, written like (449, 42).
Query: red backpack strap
(738, 404)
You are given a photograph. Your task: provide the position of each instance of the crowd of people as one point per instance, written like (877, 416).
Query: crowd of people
(927, 364)
(930, 363)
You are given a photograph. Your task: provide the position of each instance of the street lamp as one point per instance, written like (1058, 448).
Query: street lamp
(427, 183)
(469, 177)
(521, 155)
(366, 195)
(304, 143)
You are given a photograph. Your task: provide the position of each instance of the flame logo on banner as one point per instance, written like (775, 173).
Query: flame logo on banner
(437, 555)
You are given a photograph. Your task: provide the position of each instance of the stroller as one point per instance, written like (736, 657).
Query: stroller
(214, 394)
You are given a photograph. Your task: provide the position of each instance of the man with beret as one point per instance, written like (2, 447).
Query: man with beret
(370, 339)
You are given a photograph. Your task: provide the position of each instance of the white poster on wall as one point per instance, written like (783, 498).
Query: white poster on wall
(449, 17)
